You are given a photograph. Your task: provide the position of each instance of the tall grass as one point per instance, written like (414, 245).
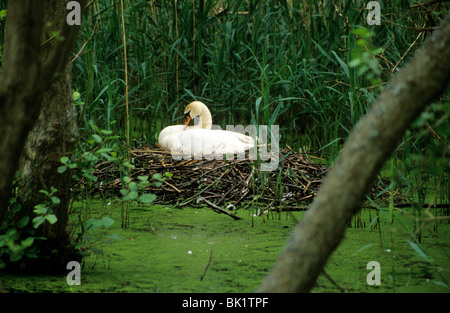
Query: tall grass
(261, 62)
(311, 67)
(289, 55)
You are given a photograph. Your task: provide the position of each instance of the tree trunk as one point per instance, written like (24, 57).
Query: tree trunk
(19, 95)
(54, 135)
(25, 75)
(370, 144)
(36, 95)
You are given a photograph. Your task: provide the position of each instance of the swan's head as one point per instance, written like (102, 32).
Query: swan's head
(198, 109)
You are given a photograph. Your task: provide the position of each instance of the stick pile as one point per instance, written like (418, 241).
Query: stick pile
(222, 182)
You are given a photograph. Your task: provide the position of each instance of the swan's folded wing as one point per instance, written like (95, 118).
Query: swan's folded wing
(204, 141)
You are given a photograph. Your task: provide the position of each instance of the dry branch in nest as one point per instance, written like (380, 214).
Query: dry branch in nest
(222, 182)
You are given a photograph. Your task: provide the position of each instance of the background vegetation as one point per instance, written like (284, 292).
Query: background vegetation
(248, 60)
(314, 68)
(311, 67)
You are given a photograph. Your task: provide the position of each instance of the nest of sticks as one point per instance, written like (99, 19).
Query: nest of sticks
(222, 183)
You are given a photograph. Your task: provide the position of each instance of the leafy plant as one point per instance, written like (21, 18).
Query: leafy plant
(364, 57)
(18, 236)
(44, 210)
(87, 239)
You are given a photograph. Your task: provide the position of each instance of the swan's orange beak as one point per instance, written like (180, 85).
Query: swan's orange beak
(187, 119)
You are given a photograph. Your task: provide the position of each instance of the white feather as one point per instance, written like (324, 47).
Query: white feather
(201, 139)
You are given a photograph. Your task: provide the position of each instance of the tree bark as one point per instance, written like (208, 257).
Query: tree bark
(36, 95)
(370, 144)
(21, 72)
(54, 135)
(26, 74)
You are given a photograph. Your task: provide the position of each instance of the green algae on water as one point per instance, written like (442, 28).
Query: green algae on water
(168, 249)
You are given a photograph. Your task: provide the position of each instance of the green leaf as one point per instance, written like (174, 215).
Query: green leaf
(62, 169)
(143, 178)
(103, 150)
(51, 218)
(64, 160)
(76, 95)
(92, 224)
(128, 164)
(89, 176)
(133, 187)
(257, 104)
(361, 249)
(111, 137)
(38, 220)
(40, 209)
(23, 222)
(107, 221)
(55, 200)
(342, 63)
(419, 251)
(440, 283)
(355, 62)
(132, 196)
(158, 176)
(372, 222)
(147, 198)
(12, 234)
(45, 192)
(27, 242)
(97, 138)
(106, 132)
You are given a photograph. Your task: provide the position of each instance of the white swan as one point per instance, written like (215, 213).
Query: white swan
(200, 139)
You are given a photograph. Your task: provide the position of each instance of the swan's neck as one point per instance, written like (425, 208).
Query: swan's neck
(204, 119)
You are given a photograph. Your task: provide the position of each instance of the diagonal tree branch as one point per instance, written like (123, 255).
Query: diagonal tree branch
(370, 144)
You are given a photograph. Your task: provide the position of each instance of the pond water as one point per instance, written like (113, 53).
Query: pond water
(168, 249)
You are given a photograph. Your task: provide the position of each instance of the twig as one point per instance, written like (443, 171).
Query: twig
(341, 16)
(213, 183)
(432, 132)
(428, 3)
(175, 188)
(406, 53)
(207, 265)
(215, 207)
(219, 181)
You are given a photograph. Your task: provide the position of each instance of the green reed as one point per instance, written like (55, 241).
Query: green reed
(286, 63)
